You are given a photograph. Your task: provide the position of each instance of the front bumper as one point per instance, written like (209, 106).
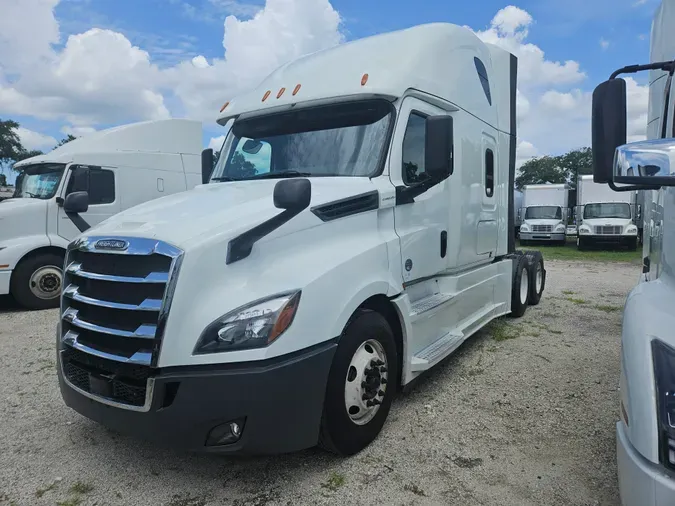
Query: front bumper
(542, 236)
(281, 400)
(641, 483)
(620, 240)
(5, 277)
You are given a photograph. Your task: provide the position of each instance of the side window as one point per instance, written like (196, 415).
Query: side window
(489, 173)
(413, 149)
(483, 76)
(101, 186)
(251, 157)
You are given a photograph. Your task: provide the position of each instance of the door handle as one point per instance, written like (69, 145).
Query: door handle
(444, 243)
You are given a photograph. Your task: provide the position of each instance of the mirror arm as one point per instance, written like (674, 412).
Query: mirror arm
(668, 66)
(407, 194)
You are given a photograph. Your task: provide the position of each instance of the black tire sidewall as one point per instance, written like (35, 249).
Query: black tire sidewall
(21, 276)
(517, 307)
(535, 259)
(346, 437)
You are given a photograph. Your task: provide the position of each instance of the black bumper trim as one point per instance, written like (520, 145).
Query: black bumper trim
(281, 400)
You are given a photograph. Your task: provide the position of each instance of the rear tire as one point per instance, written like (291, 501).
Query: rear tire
(535, 264)
(36, 281)
(349, 423)
(520, 288)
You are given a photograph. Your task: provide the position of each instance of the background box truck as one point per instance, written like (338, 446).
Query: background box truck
(545, 213)
(121, 167)
(606, 217)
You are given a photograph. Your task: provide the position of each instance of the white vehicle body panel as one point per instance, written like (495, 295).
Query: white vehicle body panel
(544, 195)
(149, 160)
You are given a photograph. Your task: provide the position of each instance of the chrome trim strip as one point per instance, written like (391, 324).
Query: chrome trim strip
(145, 331)
(71, 291)
(137, 246)
(75, 268)
(138, 358)
(166, 305)
(149, 392)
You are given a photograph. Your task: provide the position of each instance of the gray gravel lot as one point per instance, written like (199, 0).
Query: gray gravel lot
(522, 414)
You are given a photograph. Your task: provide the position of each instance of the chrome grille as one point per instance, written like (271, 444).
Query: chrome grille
(542, 228)
(608, 230)
(113, 312)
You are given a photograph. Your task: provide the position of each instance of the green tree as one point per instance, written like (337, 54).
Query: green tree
(556, 169)
(240, 167)
(66, 140)
(10, 144)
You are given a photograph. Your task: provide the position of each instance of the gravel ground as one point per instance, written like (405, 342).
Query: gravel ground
(522, 414)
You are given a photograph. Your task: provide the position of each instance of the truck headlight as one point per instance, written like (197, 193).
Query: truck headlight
(584, 229)
(663, 357)
(631, 230)
(254, 325)
(560, 228)
(524, 228)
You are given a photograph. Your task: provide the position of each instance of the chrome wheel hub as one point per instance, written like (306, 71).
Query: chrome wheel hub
(524, 285)
(366, 382)
(45, 283)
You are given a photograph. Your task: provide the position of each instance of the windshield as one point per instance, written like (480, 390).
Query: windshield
(38, 181)
(543, 213)
(607, 210)
(347, 139)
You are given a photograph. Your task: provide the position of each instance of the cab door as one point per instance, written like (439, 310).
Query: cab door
(104, 200)
(422, 226)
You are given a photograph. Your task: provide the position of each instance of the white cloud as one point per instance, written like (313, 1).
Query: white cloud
(77, 131)
(604, 43)
(35, 140)
(216, 143)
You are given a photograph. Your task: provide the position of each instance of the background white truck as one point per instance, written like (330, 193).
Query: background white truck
(119, 167)
(357, 228)
(645, 433)
(544, 213)
(606, 217)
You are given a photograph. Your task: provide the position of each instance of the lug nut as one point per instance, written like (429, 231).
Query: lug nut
(376, 402)
(383, 369)
(383, 381)
(368, 370)
(381, 393)
(369, 404)
(364, 384)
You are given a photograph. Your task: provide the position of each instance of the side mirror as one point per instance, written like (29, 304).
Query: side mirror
(292, 194)
(207, 165)
(80, 175)
(608, 126)
(76, 202)
(646, 163)
(438, 149)
(252, 147)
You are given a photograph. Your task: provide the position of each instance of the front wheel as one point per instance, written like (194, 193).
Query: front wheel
(361, 385)
(36, 281)
(520, 289)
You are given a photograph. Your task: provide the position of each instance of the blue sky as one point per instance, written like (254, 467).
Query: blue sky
(89, 64)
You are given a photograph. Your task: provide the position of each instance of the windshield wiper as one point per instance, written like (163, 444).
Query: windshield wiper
(280, 174)
(224, 178)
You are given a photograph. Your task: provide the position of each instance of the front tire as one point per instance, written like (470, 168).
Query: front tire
(361, 385)
(520, 288)
(36, 281)
(537, 275)
(582, 244)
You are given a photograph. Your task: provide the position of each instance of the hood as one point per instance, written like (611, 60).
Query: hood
(22, 217)
(221, 210)
(542, 222)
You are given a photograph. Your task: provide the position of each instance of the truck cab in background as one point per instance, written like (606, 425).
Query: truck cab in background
(606, 217)
(545, 210)
(118, 168)
(645, 433)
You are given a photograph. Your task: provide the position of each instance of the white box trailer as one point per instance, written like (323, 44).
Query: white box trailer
(119, 167)
(645, 431)
(345, 244)
(607, 218)
(544, 213)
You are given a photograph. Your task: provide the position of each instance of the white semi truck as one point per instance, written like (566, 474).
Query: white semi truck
(645, 433)
(119, 167)
(356, 230)
(607, 218)
(544, 213)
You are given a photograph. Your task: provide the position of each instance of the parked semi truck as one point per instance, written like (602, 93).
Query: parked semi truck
(645, 433)
(356, 229)
(120, 167)
(608, 218)
(545, 213)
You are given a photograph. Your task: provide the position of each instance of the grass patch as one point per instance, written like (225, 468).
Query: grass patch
(578, 302)
(556, 332)
(414, 489)
(568, 292)
(607, 308)
(570, 252)
(500, 331)
(80, 487)
(42, 491)
(334, 482)
(73, 501)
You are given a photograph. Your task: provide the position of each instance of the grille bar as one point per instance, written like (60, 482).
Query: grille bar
(542, 228)
(154, 277)
(608, 230)
(72, 291)
(145, 331)
(140, 358)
